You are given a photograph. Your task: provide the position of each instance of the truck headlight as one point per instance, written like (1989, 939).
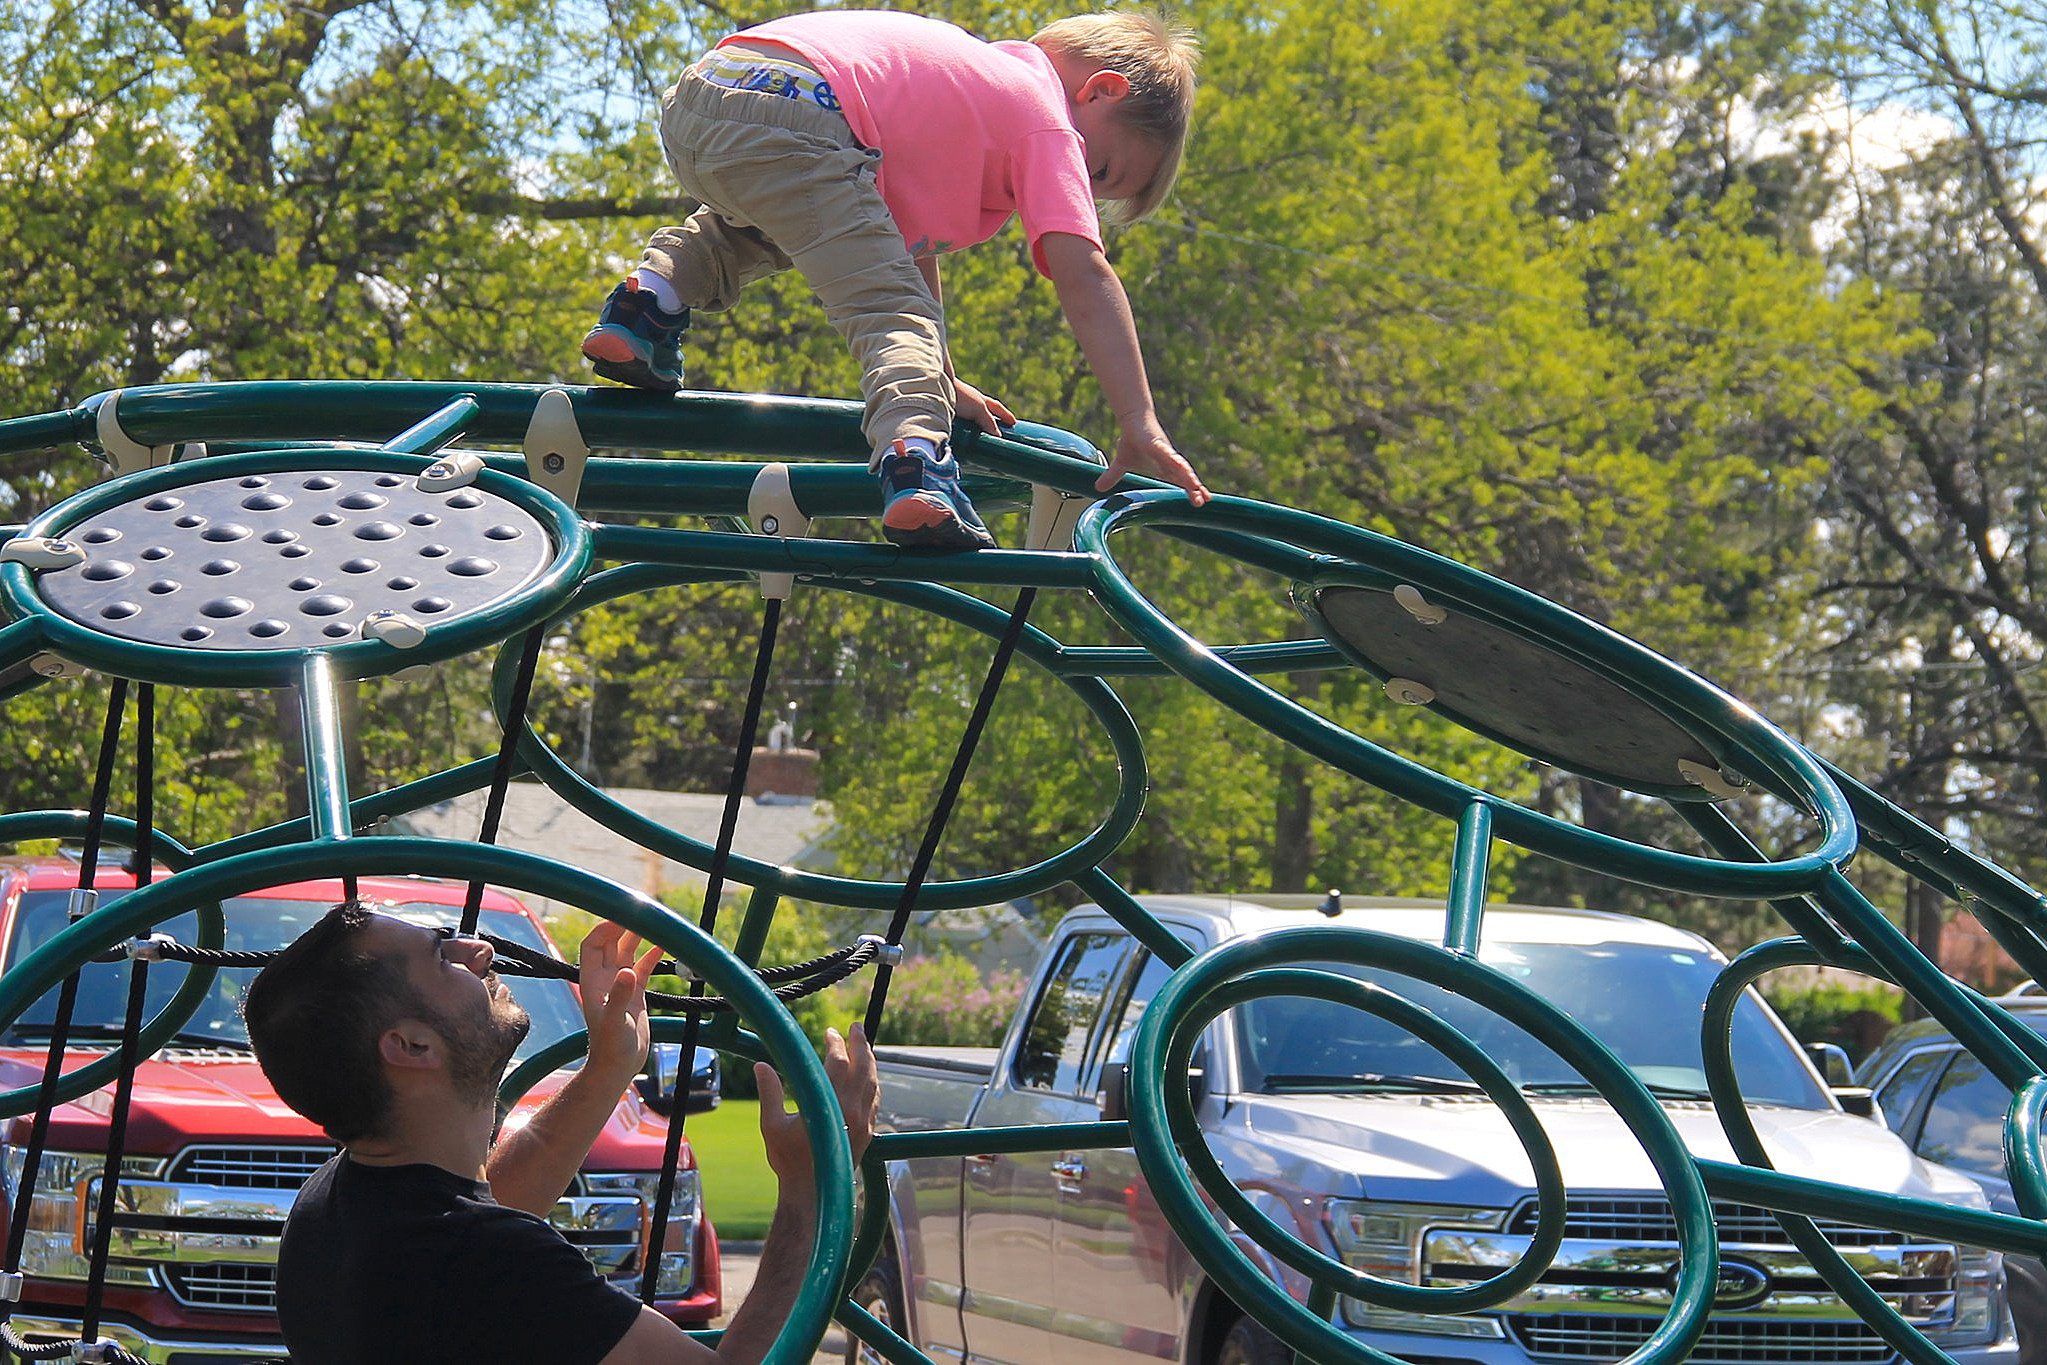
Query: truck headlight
(67, 1192)
(1385, 1240)
(1979, 1286)
(678, 1255)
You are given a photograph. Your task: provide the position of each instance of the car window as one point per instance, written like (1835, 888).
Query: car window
(1054, 1049)
(1900, 1092)
(1150, 978)
(1965, 1124)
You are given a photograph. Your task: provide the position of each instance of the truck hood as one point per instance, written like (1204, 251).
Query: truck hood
(1403, 1147)
(184, 1097)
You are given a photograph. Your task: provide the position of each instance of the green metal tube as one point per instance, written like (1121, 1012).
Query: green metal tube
(430, 433)
(1033, 1137)
(1920, 1217)
(826, 559)
(1126, 911)
(326, 751)
(1470, 864)
(2023, 1161)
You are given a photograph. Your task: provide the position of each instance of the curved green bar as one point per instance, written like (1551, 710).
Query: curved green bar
(1646, 674)
(1161, 1041)
(785, 1043)
(2023, 1137)
(185, 1000)
(1322, 1270)
(661, 1028)
(958, 607)
(280, 668)
(1716, 1039)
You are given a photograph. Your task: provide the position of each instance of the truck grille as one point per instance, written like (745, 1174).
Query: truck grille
(1728, 1340)
(249, 1168)
(1651, 1220)
(241, 1287)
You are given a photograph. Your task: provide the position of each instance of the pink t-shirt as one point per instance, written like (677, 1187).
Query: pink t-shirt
(969, 132)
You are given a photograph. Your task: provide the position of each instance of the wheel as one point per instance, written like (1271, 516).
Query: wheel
(2026, 1286)
(880, 1293)
(1250, 1344)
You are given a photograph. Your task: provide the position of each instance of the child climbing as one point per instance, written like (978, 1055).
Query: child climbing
(860, 146)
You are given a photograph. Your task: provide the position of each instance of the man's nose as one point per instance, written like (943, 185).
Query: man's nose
(473, 953)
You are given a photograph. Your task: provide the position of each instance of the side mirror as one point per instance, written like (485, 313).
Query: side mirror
(1113, 1099)
(657, 1085)
(1858, 1100)
(1832, 1062)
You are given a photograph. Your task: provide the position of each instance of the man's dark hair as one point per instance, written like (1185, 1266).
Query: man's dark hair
(314, 1016)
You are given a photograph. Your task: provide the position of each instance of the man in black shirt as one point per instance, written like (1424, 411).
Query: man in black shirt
(422, 1240)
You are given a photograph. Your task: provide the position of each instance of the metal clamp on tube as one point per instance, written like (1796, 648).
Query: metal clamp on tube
(84, 900)
(886, 954)
(556, 452)
(149, 949)
(771, 507)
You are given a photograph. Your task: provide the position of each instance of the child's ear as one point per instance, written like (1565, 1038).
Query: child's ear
(1109, 85)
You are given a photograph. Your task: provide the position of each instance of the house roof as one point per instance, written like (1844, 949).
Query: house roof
(535, 820)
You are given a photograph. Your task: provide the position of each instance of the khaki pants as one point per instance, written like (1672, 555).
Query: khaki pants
(783, 183)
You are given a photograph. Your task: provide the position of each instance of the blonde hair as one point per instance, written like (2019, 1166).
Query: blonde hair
(1157, 55)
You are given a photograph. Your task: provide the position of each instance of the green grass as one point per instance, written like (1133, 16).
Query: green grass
(739, 1187)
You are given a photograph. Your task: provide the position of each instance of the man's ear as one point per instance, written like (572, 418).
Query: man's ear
(409, 1044)
(1109, 85)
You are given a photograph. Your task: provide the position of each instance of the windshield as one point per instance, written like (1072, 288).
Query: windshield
(1642, 1001)
(255, 924)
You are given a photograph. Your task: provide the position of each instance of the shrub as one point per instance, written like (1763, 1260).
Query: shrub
(1854, 1016)
(941, 999)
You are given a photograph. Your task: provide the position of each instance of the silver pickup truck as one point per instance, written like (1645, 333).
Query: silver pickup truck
(1372, 1147)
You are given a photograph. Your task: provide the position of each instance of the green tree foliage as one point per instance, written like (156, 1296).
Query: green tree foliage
(1508, 282)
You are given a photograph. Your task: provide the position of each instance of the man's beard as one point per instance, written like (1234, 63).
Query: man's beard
(480, 1048)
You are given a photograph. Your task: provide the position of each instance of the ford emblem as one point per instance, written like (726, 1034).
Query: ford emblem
(1740, 1285)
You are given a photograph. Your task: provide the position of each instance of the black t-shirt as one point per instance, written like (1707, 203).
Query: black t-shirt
(383, 1263)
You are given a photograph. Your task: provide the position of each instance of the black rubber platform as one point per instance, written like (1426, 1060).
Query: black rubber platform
(1500, 683)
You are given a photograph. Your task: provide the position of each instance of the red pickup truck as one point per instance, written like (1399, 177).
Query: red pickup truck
(209, 1139)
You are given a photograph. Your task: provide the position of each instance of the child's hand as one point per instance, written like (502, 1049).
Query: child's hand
(1147, 450)
(984, 412)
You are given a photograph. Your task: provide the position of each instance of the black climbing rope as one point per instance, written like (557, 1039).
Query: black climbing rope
(501, 774)
(53, 1065)
(948, 796)
(707, 920)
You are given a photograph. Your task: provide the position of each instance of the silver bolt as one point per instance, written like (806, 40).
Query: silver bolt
(553, 464)
(770, 525)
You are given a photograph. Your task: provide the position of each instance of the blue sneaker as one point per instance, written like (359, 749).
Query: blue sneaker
(922, 504)
(635, 342)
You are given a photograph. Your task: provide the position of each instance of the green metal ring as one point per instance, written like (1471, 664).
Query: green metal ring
(1320, 1268)
(1790, 765)
(785, 1043)
(1716, 1046)
(247, 668)
(1151, 1129)
(185, 1000)
(958, 607)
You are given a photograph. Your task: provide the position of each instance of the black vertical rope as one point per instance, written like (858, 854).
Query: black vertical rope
(501, 775)
(67, 996)
(131, 1026)
(948, 795)
(714, 889)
